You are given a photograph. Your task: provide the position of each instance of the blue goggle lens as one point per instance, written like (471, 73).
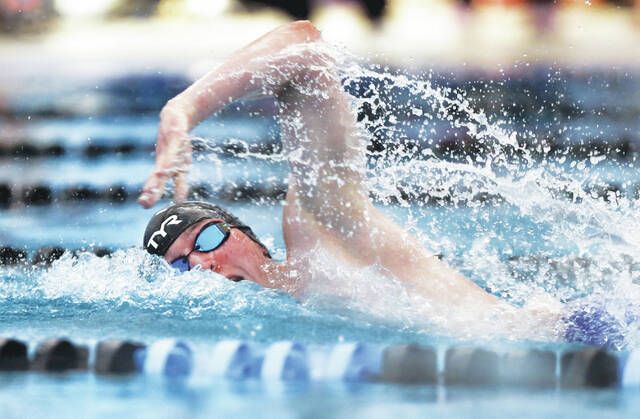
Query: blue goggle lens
(209, 239)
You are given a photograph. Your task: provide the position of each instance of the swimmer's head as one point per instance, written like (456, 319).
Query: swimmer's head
(172, 232)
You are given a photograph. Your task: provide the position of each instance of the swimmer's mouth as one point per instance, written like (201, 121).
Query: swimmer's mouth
(236, 278)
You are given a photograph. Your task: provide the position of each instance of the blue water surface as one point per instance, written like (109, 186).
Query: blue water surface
(134, 296)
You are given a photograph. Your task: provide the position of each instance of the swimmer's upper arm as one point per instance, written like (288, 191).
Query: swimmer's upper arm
(324, 148)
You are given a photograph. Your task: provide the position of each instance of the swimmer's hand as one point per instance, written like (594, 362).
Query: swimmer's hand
(173, 156)
(241, 75)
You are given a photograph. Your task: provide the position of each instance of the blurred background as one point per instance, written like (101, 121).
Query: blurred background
(48, 44)
(82, 82)
(434, 32)
(81, 86)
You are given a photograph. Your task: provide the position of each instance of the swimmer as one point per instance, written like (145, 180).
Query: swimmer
(327, 205)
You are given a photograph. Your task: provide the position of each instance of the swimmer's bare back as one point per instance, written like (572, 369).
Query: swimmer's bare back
(327, 203)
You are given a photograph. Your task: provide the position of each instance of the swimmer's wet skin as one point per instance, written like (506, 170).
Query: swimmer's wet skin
(327, 205)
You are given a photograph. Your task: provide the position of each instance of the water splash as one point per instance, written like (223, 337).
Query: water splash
(575, 236)
(136, 295)
(531, 219)
(133, 278)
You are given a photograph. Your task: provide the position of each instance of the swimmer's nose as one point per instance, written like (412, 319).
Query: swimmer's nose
(206, 261)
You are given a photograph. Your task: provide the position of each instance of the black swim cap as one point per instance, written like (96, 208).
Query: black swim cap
(166, 225)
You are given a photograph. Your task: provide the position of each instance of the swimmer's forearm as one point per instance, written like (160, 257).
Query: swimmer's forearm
(243, 73)
(235, 78)
(470, 310)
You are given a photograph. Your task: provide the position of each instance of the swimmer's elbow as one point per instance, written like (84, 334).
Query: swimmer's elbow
(305, 29)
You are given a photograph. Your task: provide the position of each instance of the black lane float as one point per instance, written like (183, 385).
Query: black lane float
(13, 355)
(60, 355)
(43, 194)
(30, 149)
(43, 256)
(108, 148)
(351, 362)
(116, 357)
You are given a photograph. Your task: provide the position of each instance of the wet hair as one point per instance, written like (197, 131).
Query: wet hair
(167, 224)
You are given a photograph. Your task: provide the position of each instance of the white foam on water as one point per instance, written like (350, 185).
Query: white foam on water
(133, 278)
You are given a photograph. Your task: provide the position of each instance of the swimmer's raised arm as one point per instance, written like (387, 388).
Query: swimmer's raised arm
(257, 68)
(327, 202)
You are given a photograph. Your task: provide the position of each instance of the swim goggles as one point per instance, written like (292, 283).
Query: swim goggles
(210, 237)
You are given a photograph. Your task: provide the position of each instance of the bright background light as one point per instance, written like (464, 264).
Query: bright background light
(207, 8)
(84, 8)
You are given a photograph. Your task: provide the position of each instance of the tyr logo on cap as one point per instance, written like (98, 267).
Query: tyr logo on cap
(171, 220)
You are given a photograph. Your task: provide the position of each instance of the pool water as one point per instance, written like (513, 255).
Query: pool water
(132, 295)
(141, 397)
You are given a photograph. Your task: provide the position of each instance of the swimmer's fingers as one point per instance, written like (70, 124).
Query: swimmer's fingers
(173, 158)
(153, 188)
(171, 163)
(177, 170)
(155, 185)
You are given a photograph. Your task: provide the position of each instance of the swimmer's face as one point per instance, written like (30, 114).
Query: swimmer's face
(237, 258)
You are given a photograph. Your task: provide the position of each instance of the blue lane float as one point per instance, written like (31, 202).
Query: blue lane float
(235, 360)
(168, 357)
(290, 361)
(285, 361)
(353, 362)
